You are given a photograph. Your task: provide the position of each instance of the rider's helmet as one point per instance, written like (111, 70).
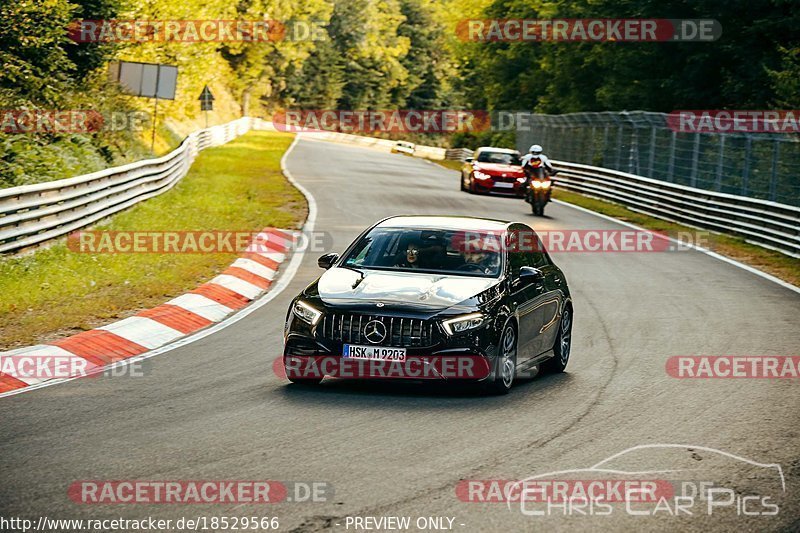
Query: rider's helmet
(536, 150)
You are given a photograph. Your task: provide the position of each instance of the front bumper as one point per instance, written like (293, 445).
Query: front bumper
(455, 367)
(491, 185)
(310, 353)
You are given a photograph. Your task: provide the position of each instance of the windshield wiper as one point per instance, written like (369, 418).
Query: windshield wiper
(360, 273)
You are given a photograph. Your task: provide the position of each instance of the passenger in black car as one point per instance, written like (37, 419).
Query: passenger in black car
(411, 260)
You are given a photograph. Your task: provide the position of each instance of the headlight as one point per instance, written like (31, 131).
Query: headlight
(306, 313)
(462, 323)
(481, 175)
(540, 184)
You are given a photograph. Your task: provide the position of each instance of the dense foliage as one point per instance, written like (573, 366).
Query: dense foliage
(378, 54)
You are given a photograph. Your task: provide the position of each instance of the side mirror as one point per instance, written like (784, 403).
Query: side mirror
(326, 261)
(469, 160)
(531, 275)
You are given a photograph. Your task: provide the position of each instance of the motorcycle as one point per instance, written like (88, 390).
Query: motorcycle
(539, 186)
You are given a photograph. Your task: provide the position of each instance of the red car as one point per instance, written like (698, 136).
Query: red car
(493, 170)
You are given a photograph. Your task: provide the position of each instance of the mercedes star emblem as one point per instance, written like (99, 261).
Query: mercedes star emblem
(375, 331)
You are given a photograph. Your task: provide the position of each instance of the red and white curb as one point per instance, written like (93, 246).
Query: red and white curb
(250, 276)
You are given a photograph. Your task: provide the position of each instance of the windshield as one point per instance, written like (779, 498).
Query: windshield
(499, 157)
(445, 251)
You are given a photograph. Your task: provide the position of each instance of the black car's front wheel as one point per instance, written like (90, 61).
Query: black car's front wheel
(562, 346)
(507, 362)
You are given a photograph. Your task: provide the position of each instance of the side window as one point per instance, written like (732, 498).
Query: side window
(517, 257)
(533, 247)
(517, 260)
(537, 259)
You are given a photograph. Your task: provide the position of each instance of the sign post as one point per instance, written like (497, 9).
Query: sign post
(150, 80)
(206, 102)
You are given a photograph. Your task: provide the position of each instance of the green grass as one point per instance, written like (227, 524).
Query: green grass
(779, 265)
(56, 292)
(448, 163)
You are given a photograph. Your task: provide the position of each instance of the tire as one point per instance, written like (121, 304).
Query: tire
(461, 182)
(507, 362)
(471, 188)
(562, 346)
(534, 209)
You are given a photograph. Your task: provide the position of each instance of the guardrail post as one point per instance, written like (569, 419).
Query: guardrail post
(605, 144)
(720, 163)
(633, 158)
(651, 163)
(619, 147)
(748, 145)
(671, 165)
(695, 157)
(773, 180)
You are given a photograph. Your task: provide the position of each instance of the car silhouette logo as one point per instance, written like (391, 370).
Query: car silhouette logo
(375, 331)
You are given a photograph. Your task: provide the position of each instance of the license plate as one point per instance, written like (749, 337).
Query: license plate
(373, 353)
(503, 185)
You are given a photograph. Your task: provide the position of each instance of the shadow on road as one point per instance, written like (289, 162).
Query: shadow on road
(354, 392)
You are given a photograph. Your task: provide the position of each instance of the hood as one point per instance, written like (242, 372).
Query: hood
(498, 168)
(409, 289)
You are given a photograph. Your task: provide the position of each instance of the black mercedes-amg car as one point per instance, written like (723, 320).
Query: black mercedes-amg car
(433, 297)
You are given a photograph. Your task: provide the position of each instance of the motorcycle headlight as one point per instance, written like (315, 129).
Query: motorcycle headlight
(462, 323)
(306, 313)
(540, 184)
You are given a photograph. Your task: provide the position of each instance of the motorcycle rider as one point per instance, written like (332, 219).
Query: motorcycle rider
(535, 154)
(532, 163)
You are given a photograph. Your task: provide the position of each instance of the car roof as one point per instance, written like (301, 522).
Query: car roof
(495, 149)
(443, 222)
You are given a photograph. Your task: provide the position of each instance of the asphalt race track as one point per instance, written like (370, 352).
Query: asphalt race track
(214, 409)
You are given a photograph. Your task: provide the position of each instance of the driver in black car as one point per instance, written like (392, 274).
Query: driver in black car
(486, 262)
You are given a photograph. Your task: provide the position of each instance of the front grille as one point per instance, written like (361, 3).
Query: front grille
(349, 328)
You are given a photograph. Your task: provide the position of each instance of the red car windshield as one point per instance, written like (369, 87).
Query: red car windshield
(501, 158)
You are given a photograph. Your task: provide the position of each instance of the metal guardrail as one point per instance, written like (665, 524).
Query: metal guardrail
(756, 165)
(34, 214)
(768, 224)
(458, 154)
(31, 215)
